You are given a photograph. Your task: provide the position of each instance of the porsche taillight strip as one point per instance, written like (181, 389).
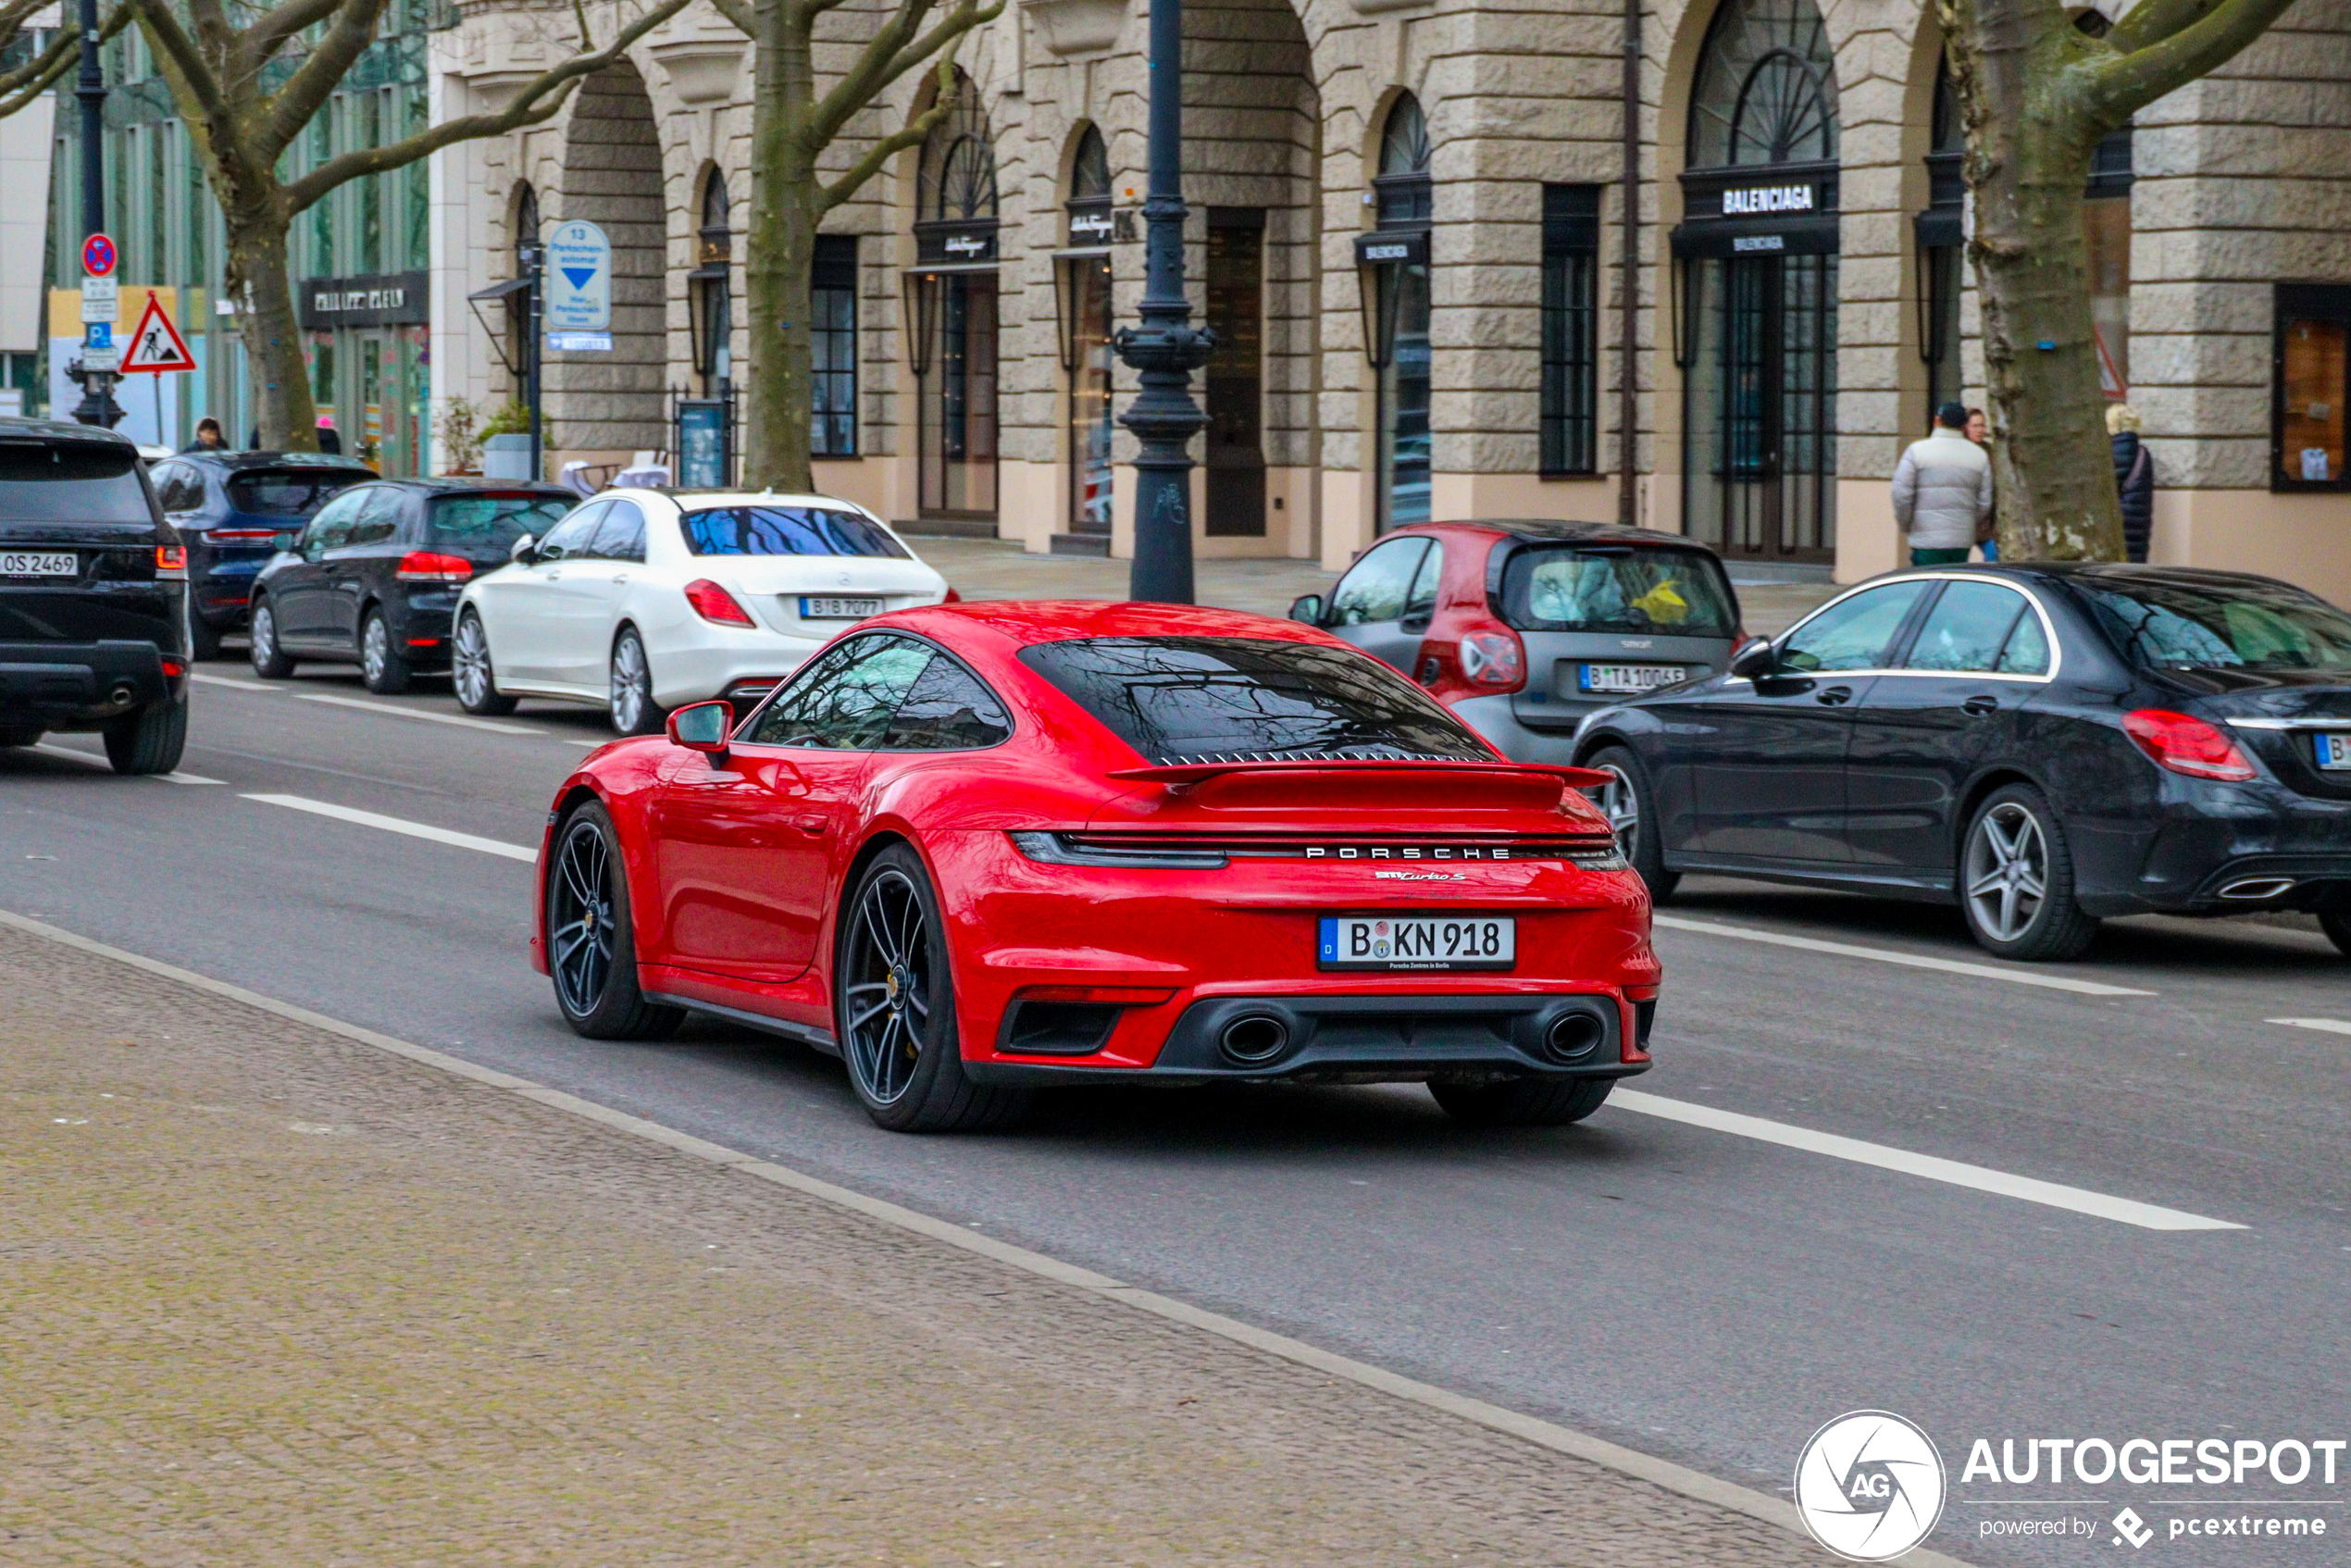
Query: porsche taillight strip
(1353, 848)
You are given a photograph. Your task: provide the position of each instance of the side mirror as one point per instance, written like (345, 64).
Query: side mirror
(1755, 660)
(702, 726)
(525, 550)
(1307, 607)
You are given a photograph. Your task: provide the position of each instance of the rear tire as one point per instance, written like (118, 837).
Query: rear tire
(632, 707)
(2337, 926)
(2016, 881)
(269, 661)
(471, 673)
(893, 995)
(1523, 1102)
(150, 741)
(592, 941)
(203, 640)
(1630, 805)
(383, 663)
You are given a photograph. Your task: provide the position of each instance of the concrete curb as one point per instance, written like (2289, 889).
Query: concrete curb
(1664, 1474)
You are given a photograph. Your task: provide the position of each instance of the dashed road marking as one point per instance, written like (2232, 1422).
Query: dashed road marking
(400, 825)
(240, 685)
(465, 721)
(51, 748)
(1957, 1173)
(2325, 1026)
(1911, 960)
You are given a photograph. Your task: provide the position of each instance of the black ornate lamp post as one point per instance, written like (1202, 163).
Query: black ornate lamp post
(1166, 348)
(97, 405)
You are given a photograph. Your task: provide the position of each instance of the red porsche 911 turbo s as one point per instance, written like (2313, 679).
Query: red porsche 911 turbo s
(979, 849)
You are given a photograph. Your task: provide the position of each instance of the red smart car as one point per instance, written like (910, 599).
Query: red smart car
(979, 849)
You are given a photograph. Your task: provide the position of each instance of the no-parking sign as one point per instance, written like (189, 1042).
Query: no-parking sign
(98, 257)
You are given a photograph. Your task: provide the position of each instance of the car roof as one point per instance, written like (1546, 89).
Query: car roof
(1027, 622)
(1550, 531)
(472, 484)
(15, 429)
(2126, 575)
(686, 497)
(235, 462)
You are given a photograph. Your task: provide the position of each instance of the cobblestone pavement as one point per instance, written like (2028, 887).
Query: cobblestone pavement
(274, 1297)
(997, 568)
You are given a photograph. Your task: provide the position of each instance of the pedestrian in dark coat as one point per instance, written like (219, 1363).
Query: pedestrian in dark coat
(2134, 478)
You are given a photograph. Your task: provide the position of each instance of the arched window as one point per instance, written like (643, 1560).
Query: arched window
(1089, 172)
(1405, 198)
(958, 178)
(1766, 87)
(1082, 287)
(713, 284)
(1403, 190)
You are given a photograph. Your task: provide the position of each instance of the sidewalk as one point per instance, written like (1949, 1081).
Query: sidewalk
(997, 568)
(278, 1297)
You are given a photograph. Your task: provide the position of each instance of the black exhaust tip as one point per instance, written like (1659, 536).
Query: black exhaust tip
(1254, 1038)
(1572, 1036)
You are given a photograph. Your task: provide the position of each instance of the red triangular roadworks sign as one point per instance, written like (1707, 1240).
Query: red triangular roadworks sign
(157, 346)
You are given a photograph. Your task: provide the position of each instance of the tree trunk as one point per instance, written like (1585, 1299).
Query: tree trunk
(257, 280)
(2031, 138)
(786, 205)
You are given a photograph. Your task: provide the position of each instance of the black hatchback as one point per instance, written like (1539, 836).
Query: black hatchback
(373, 579)
(229, 508)
(2042, 745)
(94, 619)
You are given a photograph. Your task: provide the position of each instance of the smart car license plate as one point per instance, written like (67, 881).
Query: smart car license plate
(1625, 678)
(1419, 941)
(39, 563)
(839, 607)
(2334, 750)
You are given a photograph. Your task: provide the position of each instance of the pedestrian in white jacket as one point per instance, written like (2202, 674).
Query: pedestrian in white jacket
(1942, 491)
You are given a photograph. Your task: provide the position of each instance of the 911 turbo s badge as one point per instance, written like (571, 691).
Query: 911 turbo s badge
(1418, 877)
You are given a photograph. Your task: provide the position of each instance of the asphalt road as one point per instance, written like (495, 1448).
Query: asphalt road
(1712, 1293)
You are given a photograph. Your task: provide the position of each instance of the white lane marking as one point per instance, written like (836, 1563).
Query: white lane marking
(240, 685)
(1660, 1472)
(400, 824)
(50, 749)
(1887, 955)
(2327, 1026)
(1982, 1178)
(463, 720)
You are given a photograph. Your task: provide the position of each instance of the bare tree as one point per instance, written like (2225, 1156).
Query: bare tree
(793, 125)
(247, 86)
(27, 80)
(2037, 94)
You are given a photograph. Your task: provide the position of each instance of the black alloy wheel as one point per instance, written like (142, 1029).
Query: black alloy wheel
(1629, 804)
(2016, 881)
(383, 663)
(1523, 1102)
(894, 1007)
(269, 661)
(150, 741)
(591, 950)
(203, 639)
(472, 674)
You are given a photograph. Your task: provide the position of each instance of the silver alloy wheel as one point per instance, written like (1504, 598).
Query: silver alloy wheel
(375, 649)
(887, 1000)
(264, 632)
(631, 682)
(579, 926)
(471, 661)
(2008, 871)
(1620, 805)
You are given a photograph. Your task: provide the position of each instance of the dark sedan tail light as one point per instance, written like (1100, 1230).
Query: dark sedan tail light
(242, 536)
(431, 566)
(714, 605)
(2185, 743)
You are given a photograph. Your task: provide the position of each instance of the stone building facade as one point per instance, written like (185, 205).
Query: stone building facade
(1408, 226)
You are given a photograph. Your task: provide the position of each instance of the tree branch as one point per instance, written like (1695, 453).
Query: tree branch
(966, 15)
(28, 81)
(201, 99)
(739, 15)
(552, 85)
(265, 37)
(864, 78)
(2151, 21)
(293, 105)
(2120, 86)
(897, 142)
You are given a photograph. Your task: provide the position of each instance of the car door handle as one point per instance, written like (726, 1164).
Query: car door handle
(1835, 697)
(619, 578)
(555, 576)
(811, 824)
(1976, 708)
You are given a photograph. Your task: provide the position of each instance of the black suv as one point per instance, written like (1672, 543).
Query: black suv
(229, 508)
(94, 597)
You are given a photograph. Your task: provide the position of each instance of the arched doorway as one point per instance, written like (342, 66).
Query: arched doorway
(953, 298)
(1087, 349)
(1404, 196)
(1756, 258)
(605, 405)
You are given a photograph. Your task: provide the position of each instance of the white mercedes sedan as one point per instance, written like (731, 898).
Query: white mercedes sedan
(646, 599)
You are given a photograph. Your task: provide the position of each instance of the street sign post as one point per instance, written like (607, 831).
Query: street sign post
(101, 300)
(156, 348)
(578, 309)
(98, 256)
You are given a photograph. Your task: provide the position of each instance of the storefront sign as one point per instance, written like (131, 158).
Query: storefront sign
(1089, 223)
(1392, 247)
(954, 245)
(1758, 242)
(1757, 200)
(395, 299)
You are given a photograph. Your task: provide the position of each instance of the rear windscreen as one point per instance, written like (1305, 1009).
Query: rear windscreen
(786, 531)
(72, 482)
(1679, 592)
(292, 493)
(1207, 699)
(492, 522)
(2252, 626)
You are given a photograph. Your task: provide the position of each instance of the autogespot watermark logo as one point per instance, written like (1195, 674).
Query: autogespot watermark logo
(1869, 1485)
